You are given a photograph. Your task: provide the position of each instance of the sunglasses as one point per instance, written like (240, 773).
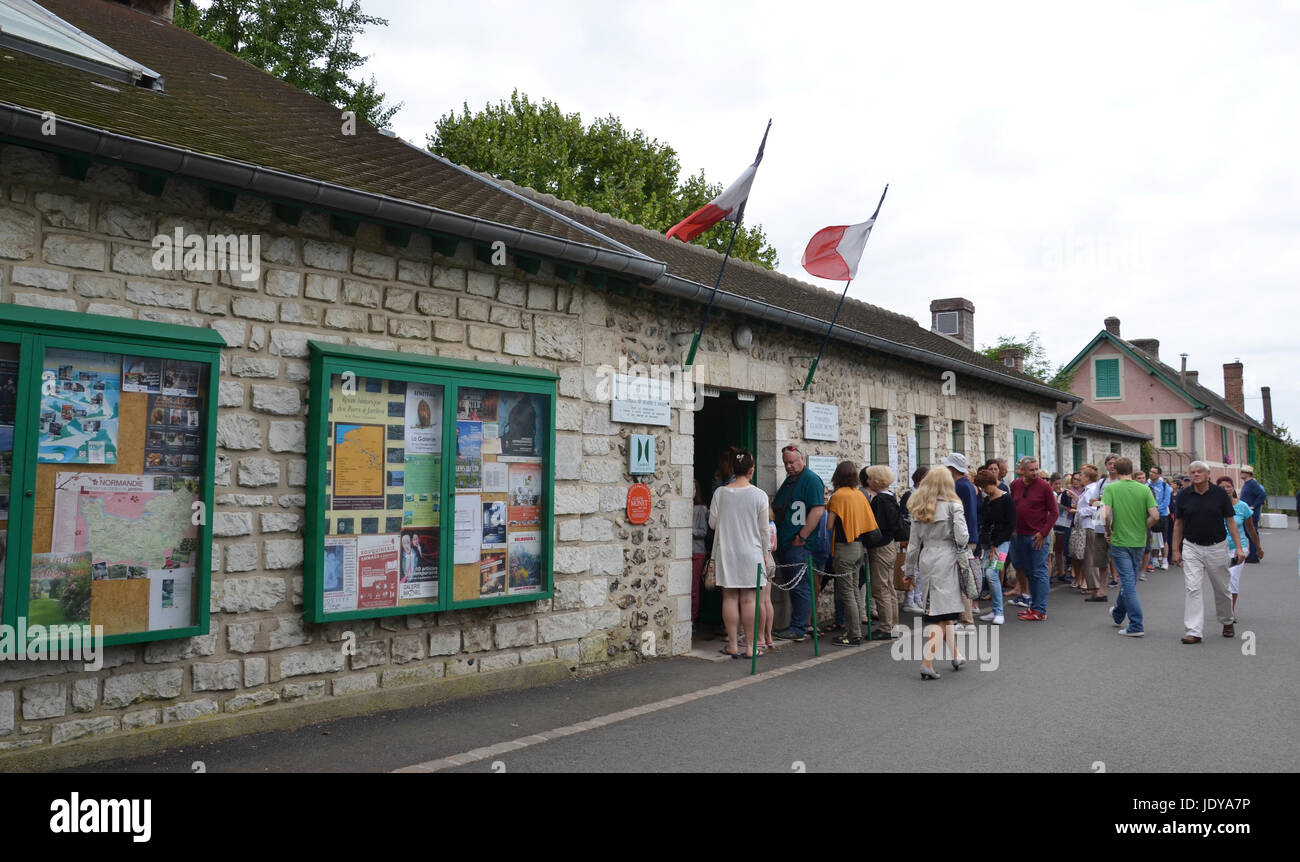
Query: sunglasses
(785, 449)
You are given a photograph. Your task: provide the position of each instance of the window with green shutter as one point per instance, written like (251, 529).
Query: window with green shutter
(1223, 443)
(1168, 433)
(1024, 443)
(879, 452)
(1115, 449)
(922, 429)
(988, 442)
(1080, 452)
(1107, 378)
(959, 436)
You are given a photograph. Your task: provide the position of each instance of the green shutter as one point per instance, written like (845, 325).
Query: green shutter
(875, 439)
(1024, 443)
(1080, 456)
(1223, 444)
(1107, 385)
(1168, 433)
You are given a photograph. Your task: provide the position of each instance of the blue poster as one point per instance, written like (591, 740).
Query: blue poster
(80, 392)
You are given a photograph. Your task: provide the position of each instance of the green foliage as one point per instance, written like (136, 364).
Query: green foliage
(307, 43)
(1036, 364)
(601, 165)
(75, 598)
(1277, 461)
(1148, 456)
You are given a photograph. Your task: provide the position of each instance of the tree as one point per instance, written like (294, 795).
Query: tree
(306, 43)
(1036, 364)
(601, 165)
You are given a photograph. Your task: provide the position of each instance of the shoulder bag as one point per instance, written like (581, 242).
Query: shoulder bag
(968, 572)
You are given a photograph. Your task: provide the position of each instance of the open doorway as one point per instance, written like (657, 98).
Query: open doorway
(723, 421)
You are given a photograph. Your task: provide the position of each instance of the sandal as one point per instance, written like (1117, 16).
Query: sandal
(726, 651)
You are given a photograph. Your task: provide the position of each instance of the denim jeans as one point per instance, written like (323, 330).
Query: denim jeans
(1127, 562)
(994, 558)
(1034, 564)
(801, 595)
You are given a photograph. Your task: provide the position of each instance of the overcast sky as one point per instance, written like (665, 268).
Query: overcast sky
(1053, 164)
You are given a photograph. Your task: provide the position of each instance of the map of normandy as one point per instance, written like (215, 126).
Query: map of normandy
(138, 529)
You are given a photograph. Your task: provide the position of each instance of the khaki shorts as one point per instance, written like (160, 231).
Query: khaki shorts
(1100, 550)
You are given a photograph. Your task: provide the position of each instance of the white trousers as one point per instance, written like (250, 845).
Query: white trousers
(1210, 562)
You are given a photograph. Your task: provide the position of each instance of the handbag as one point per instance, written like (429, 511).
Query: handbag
(969, 575)
(902, 583)
(1078, 543)
(711, 566)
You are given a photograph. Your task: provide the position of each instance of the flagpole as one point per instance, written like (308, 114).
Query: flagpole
(740, 216)
(695, 342)
(812, 369)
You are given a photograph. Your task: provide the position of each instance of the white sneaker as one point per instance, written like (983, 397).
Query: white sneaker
(996, 619)
(912, 609)
(1164, 564)
(1128, 634)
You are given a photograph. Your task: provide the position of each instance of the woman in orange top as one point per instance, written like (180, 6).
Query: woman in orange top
(849, 517)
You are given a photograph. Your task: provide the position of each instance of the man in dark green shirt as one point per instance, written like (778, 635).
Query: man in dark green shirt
(798, 506)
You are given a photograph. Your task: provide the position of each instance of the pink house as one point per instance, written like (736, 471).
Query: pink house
(1127, 381)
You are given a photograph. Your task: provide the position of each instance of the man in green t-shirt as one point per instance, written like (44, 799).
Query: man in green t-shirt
(1129, 510)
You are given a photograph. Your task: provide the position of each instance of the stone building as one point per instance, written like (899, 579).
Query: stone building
(1091, 436)
(368, 244)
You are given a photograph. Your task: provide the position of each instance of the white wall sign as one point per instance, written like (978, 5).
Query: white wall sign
(1047, 434)
(821, 421)
(640, 454)
(641, 401)
(824, 466)
(893, 454)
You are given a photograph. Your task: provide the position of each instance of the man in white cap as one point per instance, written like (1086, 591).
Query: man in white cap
(1253, 495)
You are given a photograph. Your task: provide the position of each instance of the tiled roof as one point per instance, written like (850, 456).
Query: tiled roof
(216, 104)
(1206, 396)
(1090, 416)
(700, 265)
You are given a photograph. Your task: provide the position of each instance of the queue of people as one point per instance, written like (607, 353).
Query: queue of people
(1092, 531)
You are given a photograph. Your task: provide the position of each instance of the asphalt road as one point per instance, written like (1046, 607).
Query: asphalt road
(1066, 695)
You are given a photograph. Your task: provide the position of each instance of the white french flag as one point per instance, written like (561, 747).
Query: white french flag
(834, 252)
(729, 205)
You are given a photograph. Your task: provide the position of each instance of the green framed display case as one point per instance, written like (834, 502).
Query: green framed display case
(430, 484)
(107, 458)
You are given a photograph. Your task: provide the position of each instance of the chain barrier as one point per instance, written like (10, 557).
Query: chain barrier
(798, 579)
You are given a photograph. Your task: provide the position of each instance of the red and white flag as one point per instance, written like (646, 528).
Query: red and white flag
(729, 205)
(834, 252)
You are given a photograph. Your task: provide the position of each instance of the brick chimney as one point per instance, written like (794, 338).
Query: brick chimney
(1112, 326)
(158, 8)
(1268, 407)
(1149, 346)
(1012, 357)
(1232, 391)
(1192, 378)
(955, 319)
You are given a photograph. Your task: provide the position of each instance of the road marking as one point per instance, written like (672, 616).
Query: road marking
(491, 751)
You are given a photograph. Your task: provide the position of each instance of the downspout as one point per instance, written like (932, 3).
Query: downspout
(1060, 435)
(1199, 417)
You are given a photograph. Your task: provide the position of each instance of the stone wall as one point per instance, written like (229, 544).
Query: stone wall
(85, 246)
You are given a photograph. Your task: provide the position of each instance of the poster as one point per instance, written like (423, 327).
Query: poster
(8, 390)
(496, 477)
(492, 570)
(478, 405)
(340, 592)
(494, 525)
(525, 494)
(181, 379)
(377, 565)
(423, 419)
(469, 458)
(892, 441)
(824, 466)
(359, 400)
(525, 563)
(79, 407)
(469, 528)
(520, 416)
(358, 467)
(418, 576)
(60, 588)
(173, 436)
(128, 524)
(171, 599)
(142, 374)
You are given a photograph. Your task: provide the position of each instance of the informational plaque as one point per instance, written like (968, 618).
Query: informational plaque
(824, 466)
(821, 421)
(641, 401)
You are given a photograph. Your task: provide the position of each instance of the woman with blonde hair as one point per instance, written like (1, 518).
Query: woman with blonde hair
(938, 533)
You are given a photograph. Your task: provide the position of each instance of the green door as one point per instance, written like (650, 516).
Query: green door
(1024, 444)
(723, 421)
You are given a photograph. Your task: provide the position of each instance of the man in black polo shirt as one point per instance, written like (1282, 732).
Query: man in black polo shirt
(1203, 512)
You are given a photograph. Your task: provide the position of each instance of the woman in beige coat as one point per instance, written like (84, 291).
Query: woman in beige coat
(938, 532)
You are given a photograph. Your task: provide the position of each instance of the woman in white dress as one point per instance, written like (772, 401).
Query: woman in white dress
(738, 515)
(938, 530)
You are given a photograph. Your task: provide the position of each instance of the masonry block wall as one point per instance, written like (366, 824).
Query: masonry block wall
(85, 245)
